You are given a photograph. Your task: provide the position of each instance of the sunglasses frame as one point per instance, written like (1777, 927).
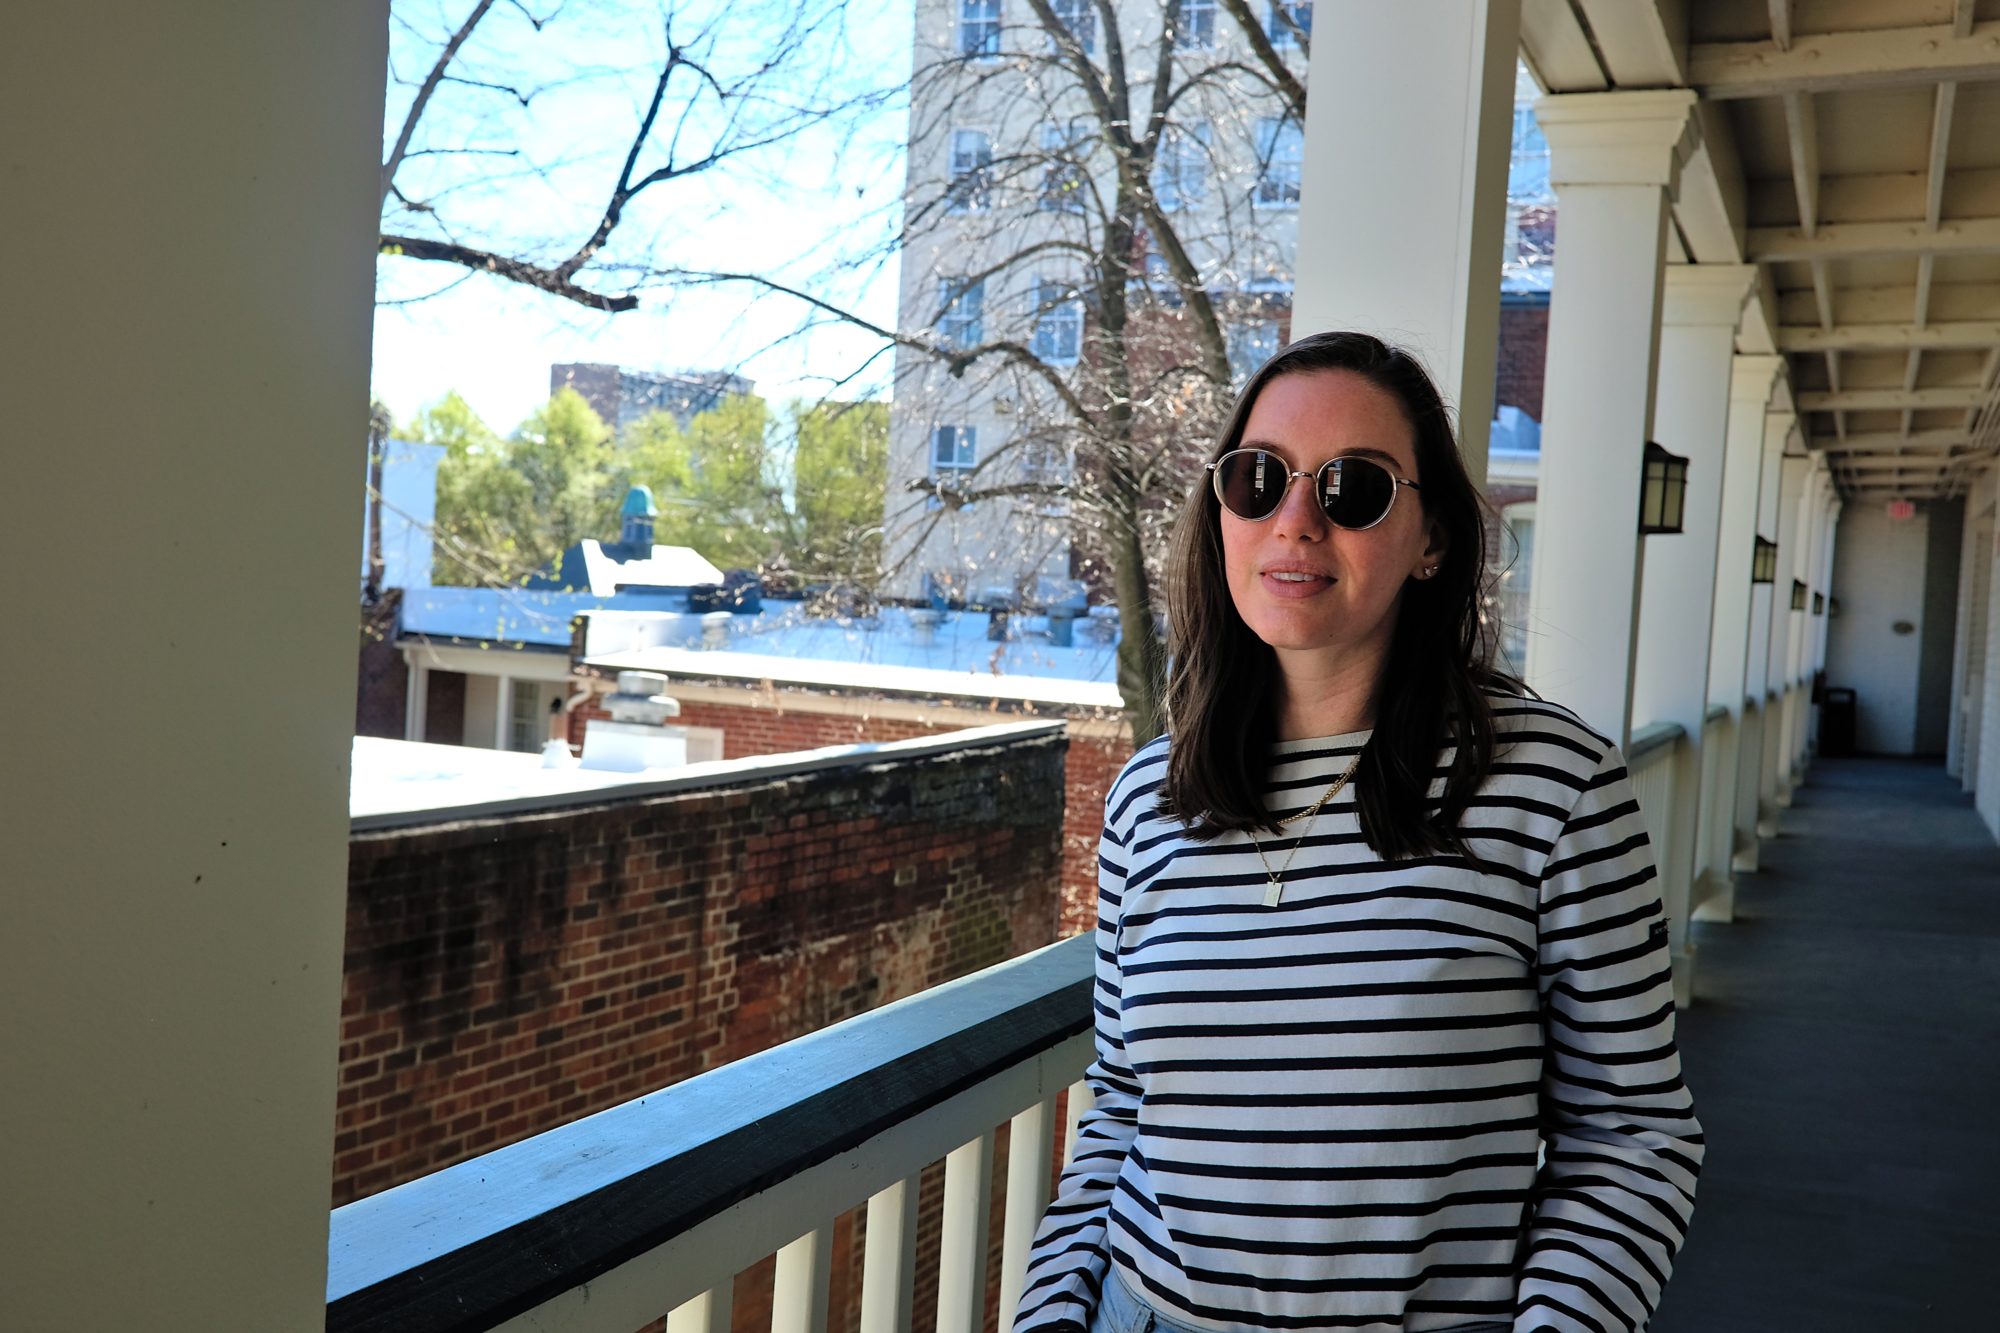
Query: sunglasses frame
(1214, 470)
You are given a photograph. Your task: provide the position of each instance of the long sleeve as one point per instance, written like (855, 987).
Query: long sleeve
(1071, 1254)
(1612, 1201)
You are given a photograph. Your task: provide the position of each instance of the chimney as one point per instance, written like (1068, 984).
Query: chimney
(639, 735)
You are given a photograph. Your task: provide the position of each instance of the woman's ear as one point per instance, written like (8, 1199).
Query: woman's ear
(1436, 545)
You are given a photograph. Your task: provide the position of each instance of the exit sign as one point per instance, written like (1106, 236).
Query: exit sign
(1902, 509)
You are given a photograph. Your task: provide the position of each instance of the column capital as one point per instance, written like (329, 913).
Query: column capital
(1636, 138)
(1754, 376)
(1707, 294)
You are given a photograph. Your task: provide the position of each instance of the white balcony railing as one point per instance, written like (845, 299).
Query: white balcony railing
(653, 1207)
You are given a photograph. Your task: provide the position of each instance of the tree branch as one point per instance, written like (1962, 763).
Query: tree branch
(1289, 87)
(549, 280)
(423, 96)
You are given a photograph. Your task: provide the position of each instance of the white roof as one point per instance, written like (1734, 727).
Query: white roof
(871, 677)
(667, 567)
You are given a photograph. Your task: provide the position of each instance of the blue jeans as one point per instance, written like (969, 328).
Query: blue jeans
(1120, 1311)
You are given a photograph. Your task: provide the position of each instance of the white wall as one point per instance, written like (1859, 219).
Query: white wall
(194, 189)
(1878, 575)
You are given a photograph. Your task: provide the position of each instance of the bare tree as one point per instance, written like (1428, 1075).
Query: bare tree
(724, 83)
(1097, 236)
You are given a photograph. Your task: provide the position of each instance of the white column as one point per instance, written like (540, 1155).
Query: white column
(1614, 160)
(1750, 815)
(198, 188)
(1420, 265)
(1776, 785)
(1670, 672)
(1751, 381)
(415, 703)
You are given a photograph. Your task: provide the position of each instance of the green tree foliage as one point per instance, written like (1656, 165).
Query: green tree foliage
(715, 482)
(840, 473)
(506, 507)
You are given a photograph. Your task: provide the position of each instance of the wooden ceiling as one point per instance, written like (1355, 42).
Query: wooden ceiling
(1851, 149)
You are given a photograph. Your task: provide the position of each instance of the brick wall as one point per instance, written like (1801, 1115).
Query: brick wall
(506, 976)
(1524, 345)
(757, 721)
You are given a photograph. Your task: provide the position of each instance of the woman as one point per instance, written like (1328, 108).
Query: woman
(1374, 929)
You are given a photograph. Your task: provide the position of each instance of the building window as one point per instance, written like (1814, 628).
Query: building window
(1063, 180)
(1251, 344)
(971, 166)
(527, 717)
(1194, 24)
(1058, 323)
(954, 453)
(979, 28)
(1291, 20)
(1281, 146)
(1180, 171)
(1079, 19)
(962, 308)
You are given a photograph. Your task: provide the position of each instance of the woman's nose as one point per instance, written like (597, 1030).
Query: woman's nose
(1299, 513)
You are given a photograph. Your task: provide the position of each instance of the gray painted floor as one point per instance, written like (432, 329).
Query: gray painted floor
(1844, 1052)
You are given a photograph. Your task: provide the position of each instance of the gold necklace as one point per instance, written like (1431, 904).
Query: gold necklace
(1276, 888)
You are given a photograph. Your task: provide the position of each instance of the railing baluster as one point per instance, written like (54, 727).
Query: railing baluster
(1030, 1152)
(889, 1262)
(1080, 1100)
(968, 1187)
(706, 1313)
(799, 1291)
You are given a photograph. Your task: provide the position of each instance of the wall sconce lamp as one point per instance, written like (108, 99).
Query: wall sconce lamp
(1663, 497)
(1819, 603)
(1798, 595)
(1764, 562)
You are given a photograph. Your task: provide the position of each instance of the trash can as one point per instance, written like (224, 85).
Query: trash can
(1836, 722)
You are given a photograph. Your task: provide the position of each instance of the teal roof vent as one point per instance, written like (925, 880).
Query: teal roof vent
(638, 513)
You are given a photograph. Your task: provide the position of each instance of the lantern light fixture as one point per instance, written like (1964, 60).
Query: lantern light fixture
(1764, 562)
(1663, 495)
(1798, 595)
(1819, 603)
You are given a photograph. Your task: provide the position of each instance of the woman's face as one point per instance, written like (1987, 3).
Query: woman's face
(1320, 594)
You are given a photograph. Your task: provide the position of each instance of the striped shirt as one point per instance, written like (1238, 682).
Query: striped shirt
(1329, 1113)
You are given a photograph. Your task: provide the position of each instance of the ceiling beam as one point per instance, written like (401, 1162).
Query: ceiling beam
(1917, 440)
(1802, 137)
(1874, 240)
(1558, 50)
(1641, 45)
(1829, 62)
(1942, 107)
(1889, 337)
(1890, 400)
(1912, 463)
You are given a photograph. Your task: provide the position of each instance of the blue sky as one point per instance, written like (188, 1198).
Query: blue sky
(791, 209)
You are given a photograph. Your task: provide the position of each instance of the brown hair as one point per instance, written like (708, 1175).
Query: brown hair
(1222, 679)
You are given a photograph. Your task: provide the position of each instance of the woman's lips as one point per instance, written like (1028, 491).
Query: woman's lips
(1294, 583)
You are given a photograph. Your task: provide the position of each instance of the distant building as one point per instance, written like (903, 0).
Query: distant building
(622, 395)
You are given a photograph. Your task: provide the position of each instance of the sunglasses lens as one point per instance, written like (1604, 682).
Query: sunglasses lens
(1251, 483)
(1355, 492)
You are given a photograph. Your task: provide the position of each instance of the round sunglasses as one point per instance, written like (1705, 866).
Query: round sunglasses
(1353, 491)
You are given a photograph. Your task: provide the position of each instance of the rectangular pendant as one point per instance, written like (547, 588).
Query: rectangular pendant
(1273, 893)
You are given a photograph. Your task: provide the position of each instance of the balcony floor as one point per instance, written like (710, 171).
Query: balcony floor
(1844, 1051)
